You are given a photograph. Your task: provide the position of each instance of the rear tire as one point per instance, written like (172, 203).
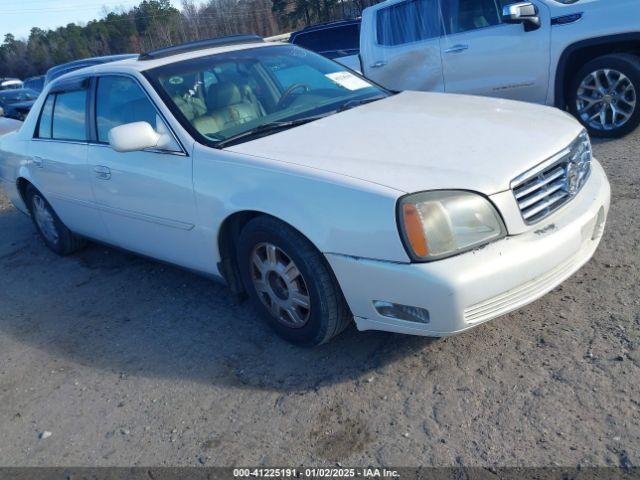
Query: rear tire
(56, 236)
(290, 283)
(603, 95)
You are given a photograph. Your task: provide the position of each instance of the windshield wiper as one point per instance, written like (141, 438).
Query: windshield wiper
(356, 103)
(265, 128)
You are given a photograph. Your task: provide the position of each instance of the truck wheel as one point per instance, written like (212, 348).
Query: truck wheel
(54, 233)
(604, 95)
(290, 283)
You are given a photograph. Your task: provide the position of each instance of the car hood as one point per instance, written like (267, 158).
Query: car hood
(416, 141)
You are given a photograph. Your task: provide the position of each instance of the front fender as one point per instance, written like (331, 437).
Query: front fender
(337, 214)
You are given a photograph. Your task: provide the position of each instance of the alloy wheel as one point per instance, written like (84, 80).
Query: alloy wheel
(280, 285)
(606, 99)
(44, 219)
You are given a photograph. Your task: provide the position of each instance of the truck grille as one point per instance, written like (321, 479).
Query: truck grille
(547, 187)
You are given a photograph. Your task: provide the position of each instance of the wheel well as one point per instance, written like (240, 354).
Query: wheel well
(577, 55)
(227, 237)
(227, 241)
(22, 185)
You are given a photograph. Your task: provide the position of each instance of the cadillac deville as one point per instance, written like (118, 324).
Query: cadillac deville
(318, 194)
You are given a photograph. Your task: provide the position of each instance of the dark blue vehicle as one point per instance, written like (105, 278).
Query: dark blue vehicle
(339, 41)
(17, 103)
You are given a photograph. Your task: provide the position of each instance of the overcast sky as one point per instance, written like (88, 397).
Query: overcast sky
(19, 16)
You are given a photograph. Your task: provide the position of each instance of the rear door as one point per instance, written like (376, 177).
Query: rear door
(58, 158)
(481, 55)
(401, 45)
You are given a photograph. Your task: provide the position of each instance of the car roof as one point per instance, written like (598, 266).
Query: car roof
(135, 64)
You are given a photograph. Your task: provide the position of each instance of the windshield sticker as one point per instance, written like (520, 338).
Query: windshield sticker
(347, 80)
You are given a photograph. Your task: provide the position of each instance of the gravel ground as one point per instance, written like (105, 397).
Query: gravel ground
(130, 362)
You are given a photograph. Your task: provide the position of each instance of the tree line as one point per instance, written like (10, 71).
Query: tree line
(157, 23)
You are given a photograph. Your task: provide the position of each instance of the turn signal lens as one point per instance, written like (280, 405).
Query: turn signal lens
(414, 230)
(402, 312)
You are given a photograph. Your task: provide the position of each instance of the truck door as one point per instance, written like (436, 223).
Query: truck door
(400, 45)
(482, 55)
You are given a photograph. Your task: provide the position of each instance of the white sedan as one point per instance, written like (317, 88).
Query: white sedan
(318, 194)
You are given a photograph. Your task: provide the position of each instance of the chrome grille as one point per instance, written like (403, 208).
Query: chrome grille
(547, 187)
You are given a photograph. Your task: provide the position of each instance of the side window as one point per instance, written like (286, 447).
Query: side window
(46, 118)
(466, 15)
(120, 100)
(408, 22)
(69, 118)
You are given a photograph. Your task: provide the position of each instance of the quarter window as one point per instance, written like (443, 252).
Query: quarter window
(408, 22)
(46, 118)
(69, 116)
(120, 100)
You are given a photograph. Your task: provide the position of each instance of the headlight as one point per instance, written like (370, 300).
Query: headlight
(440, 224)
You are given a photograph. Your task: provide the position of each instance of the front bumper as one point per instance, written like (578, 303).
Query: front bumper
(467, 290)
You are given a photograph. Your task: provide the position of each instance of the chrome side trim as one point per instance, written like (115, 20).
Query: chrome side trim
(73, 142)
(147, 150)
(165, 222)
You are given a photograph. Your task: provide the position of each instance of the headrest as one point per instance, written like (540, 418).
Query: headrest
(223, 94)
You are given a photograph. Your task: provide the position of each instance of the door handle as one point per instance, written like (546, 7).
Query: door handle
(103, 173)
(457, 49)
(38, 162)
(379, 64)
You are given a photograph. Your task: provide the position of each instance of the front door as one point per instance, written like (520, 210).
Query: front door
(146, 198)
(481, 55)
(405, 51)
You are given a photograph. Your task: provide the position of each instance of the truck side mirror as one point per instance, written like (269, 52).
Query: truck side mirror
(523, 12)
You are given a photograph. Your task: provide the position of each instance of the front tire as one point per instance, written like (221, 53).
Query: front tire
(290, 283)
(603, 95)
(56, 236)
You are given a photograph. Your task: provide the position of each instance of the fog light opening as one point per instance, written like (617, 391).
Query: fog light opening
(402, 312)
(598, 230)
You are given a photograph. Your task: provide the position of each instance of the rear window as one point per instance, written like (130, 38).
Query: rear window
(46, 118)
(408, 22)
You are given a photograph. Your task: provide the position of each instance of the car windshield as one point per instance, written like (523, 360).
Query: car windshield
(9, 97)
(233, 94)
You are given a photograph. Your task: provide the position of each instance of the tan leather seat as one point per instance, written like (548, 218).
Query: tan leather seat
(189, 104)
(191, 107)
(228, 108)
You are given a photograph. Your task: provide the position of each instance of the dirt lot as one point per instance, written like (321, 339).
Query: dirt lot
(130, 362)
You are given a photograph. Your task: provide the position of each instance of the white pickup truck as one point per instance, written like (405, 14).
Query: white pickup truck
(578, 55)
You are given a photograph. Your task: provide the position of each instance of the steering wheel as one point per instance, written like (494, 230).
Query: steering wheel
(289, 91)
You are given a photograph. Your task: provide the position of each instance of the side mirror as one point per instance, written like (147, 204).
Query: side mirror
(1, 112)
(523, 12)
(137, 136)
